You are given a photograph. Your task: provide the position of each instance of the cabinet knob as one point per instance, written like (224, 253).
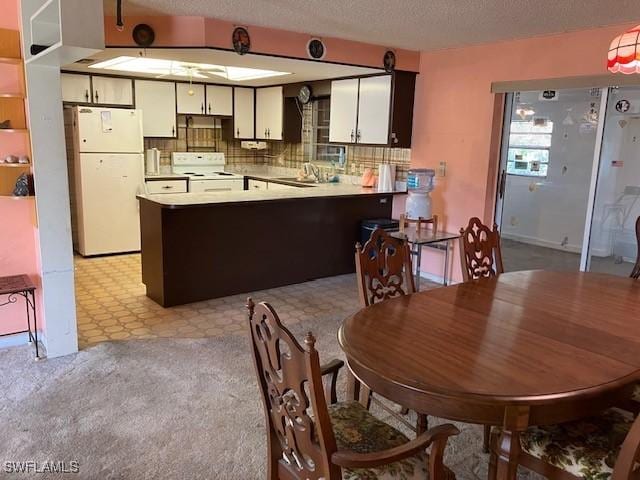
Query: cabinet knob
(97, 97)
(352, 136)
(209, 107)
(237, 132)
(202, 107)
(358, 136)
(86, 95)
(173, 131)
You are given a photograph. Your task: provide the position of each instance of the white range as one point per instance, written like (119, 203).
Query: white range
(206, 172)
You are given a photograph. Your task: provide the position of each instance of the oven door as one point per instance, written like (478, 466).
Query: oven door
(222, 185)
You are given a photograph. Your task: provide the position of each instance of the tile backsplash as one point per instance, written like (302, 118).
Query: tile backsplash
(205, 134)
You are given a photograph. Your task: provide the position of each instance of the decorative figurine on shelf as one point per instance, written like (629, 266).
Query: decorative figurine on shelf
(22, 186)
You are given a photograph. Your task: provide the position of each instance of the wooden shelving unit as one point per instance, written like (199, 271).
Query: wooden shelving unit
(12, 108)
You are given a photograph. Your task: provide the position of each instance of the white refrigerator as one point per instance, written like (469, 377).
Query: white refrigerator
(108, 174)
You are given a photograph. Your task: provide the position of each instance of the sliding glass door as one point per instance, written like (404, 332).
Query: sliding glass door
(549, 139)
(612, 239)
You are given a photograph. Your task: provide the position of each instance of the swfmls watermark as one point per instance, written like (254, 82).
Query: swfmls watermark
(31, 466)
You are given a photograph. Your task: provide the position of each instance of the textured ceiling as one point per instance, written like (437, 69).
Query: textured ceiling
(412, 24)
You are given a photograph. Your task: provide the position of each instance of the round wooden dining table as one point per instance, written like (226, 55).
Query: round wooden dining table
(524, 348)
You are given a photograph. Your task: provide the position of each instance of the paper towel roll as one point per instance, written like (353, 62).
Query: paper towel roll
(386, 177)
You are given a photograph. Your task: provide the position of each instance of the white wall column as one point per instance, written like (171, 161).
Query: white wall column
(73, 29)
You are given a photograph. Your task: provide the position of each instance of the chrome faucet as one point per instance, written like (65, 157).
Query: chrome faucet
(311, 169)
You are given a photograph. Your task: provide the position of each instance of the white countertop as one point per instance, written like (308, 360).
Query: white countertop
(237, 196)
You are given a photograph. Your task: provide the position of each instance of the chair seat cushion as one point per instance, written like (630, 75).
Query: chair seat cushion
(358, 430)
(586, 448)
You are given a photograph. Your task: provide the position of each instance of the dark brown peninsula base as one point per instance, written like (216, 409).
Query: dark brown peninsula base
(201, 251)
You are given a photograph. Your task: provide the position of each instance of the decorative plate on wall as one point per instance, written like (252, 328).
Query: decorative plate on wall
(143, 35)
(241, 40)
(316, 49)
(389, 61)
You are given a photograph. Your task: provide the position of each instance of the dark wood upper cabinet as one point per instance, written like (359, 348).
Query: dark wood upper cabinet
(402, 98)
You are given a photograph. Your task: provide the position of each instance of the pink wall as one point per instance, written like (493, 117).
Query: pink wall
(454, 111)
(210, 32)
(18, 237)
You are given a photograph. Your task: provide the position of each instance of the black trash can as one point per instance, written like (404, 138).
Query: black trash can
(368, 226)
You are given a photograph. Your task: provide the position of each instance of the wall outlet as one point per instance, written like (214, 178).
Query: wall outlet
(514, 221)
(442, 169)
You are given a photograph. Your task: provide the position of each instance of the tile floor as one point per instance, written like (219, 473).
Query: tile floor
(112, 304)
(522, 256)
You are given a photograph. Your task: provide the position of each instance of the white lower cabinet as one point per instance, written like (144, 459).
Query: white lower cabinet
(166, 186)
(257, 185)
(157, 100)
(279, 186)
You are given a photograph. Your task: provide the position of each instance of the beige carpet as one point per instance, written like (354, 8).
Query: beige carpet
(156, 409)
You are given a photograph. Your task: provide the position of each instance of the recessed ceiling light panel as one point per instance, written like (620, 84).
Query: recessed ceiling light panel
(164, 67)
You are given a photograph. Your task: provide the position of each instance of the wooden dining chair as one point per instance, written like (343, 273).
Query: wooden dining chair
(635, 273)
(309, 439)
(633, 405)
(606, 446)
(481, 257)
(383, 268)
(480, 251)
(419, 222)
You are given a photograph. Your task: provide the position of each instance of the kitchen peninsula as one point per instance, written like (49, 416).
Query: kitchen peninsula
(201, 246)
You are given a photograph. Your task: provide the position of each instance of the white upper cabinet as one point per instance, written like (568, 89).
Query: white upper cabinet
(219, 100)
(157, 100)
(374, 110)
(269, 112)
(112, 91)
(343, 113)
(243, 112)
(76, 88)
(190, 103)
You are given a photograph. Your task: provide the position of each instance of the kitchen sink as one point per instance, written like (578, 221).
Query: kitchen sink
(305, 183)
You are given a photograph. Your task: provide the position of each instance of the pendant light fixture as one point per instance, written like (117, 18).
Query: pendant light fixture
(624, 52)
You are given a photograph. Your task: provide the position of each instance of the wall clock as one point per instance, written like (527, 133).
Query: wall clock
(316, 49)
(241, 40)
(389, 61)
(623, 106)
(143, 35)
(304, 95)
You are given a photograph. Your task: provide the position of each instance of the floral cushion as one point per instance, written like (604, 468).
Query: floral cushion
(358, 430)
(586, 448)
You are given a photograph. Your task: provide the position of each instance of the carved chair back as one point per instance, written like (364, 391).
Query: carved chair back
(383, 268)
(300, 436)
(480, 251)
(635, 273)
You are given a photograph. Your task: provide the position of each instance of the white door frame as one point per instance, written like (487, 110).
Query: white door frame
(585, 258)
(504, 154)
